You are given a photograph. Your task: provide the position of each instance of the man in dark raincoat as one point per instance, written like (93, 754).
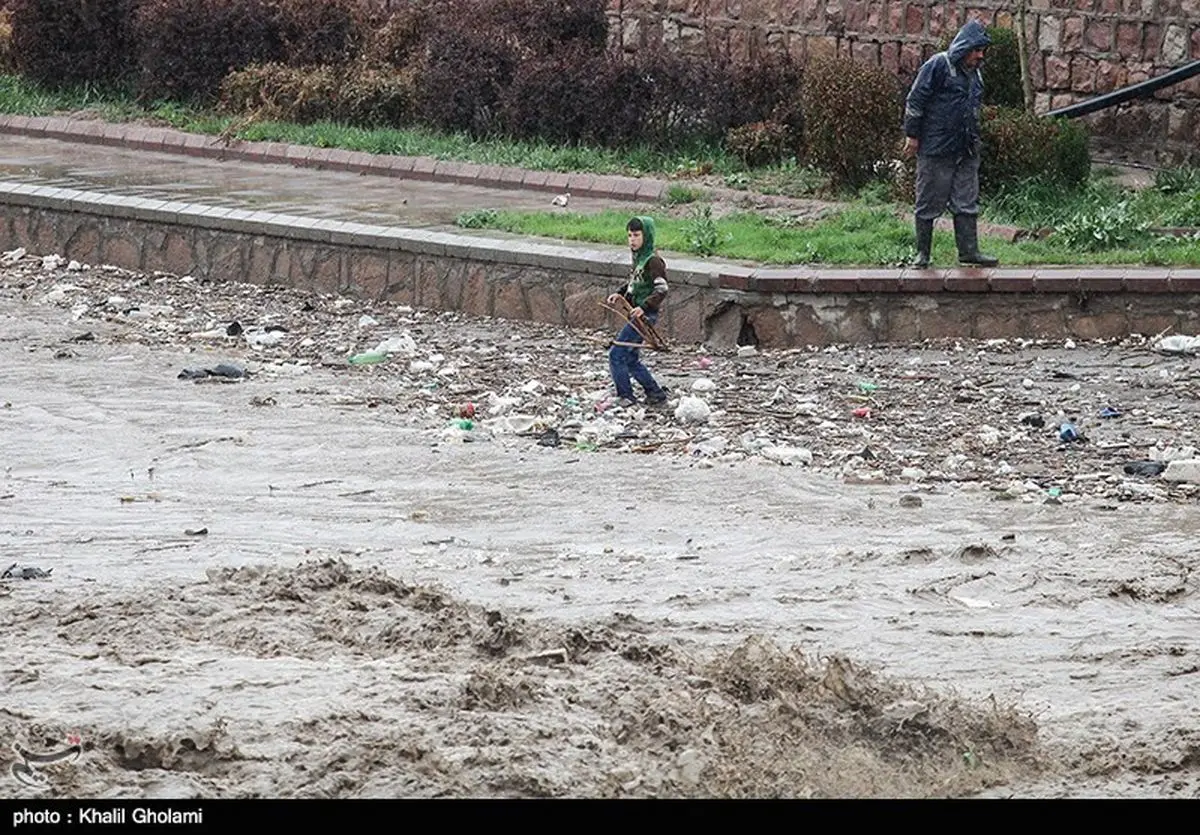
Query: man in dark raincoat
(941, 127)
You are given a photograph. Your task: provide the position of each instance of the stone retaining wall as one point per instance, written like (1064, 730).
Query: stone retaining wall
(721, 304)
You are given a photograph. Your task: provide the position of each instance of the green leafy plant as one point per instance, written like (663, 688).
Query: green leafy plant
(678, 194)
(1178, 180)
(1107, 227)
(703, 236)
(477, 219)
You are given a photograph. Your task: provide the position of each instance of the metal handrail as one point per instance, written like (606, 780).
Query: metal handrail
(1142, 89)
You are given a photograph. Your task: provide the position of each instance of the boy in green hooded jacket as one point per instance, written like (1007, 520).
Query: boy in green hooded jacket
(645, 292)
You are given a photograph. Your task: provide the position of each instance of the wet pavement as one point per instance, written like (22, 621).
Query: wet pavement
(282, 188)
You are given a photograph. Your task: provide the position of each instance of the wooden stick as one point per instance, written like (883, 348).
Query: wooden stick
(652, 338)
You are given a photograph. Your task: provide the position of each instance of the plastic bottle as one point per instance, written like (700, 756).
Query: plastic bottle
(368, 358)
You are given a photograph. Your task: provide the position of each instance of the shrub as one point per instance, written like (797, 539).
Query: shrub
(680, 100)
(1002, 70)
(701, 231)
(356, 94)
(541, 26)
(321, 31)
(567, 97)
(1177, 180)
(1107, 227)
(769, 90)
(851, 114)
(189, 46)
(59, 43)
(463, 77)
(8, 62)
(1072, 160)
(759, 143)
(477, 218)
(1020, 145)
(396, 40)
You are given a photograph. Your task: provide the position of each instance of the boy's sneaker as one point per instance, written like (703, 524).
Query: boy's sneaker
(658, 399)
(626, 403)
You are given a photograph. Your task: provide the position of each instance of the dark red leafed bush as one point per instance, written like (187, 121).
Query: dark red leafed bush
(64, 42)
(769, 91)
(683, 99)
(322, 31)
(462, 78)
(189, 46)
(851, 111)
(398, 39)
(571, 96)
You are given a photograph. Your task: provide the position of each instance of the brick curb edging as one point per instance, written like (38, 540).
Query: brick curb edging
(169, 140)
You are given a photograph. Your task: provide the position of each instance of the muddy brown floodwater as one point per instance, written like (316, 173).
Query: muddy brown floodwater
(312, 581)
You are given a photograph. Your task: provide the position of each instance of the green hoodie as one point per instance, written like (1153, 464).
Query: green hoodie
(641, 286)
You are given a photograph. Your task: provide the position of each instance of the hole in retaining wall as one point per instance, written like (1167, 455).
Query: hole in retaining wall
(747, 336)
(726, 327)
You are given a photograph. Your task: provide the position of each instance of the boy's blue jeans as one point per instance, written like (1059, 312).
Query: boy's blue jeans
(625, 363)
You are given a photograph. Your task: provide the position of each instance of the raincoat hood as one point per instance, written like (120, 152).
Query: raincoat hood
(641, 256)
(970, 37)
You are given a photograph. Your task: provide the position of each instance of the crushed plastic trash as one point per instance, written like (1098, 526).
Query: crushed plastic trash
(466, 410)
(787, 455)
(1145, 468)
(512, 424)
(692, 410)
(264, 337)
(402, 343)
(1034, 420)
(746, 350)
(499, 405)
(1185, 469)
(867, 387)
(1109, 412)
(862, 412)
(1178, 344)
(549, 438)
(225, 370)
(465, 425)
(368, 358)
(704, 362)
(1069, 433)
(25, 572)
(12, 256)
(703, 384)
(708, 447)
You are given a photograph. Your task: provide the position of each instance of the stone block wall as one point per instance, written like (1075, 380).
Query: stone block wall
(1078, 49)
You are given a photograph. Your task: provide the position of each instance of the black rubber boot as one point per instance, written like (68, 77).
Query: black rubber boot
(924, 244)
(966, 235)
